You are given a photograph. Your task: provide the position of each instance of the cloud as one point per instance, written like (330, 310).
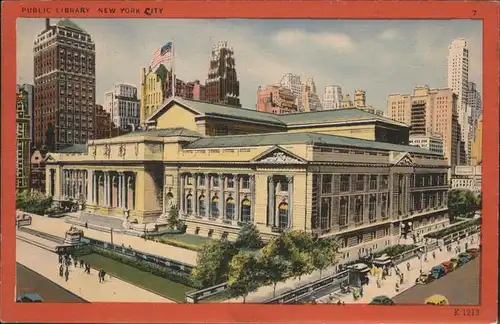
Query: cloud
(389, 34)
(296, 37)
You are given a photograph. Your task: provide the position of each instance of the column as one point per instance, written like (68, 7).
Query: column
(208, 196)
(236, 184)
(124, 190)
(222, 211)
(270, 201)
(290, 200)
(181, 195)
(252, 194)
(90, 193)
(119, 191)
(106, 189)
(195, 194)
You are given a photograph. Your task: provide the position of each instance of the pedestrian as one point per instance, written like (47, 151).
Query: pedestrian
(81, 263)
(66, 274)
(401, 278)
(397, 286)
(361, 292)
(60, 258)
(434, 255)
(86, 225)
(61, 270)
(379, 284)
(408, 266)
(103, 275)
(99, 274)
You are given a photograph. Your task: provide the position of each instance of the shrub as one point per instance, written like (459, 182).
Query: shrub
(395, 250)
(249, 237)
(453, 229)
(33, 201)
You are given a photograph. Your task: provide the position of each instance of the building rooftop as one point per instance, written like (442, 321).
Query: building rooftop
(334, 115)
(301, 138)
(75, 148)
(163, 132)
(66, 23)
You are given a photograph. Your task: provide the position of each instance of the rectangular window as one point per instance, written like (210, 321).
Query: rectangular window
(215, 181)
(327, 184)
(373, 182)
(385, 182)
(344, 182)
(202, 180)
(246, 182)
(230, 182)
(360, 183)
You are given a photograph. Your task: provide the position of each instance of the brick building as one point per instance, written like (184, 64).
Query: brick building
(64, 72)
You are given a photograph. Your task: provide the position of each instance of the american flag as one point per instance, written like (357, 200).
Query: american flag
(162, 54)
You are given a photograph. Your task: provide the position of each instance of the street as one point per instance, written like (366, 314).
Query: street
(28, 281)
(460, 287)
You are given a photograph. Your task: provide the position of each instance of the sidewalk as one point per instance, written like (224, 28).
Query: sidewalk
(57, 226)
(87, 286)
(388, 287)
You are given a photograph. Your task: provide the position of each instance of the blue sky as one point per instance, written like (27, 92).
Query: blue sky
(379, 56)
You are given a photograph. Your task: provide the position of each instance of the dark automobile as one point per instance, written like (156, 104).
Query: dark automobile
(382, 300)
(424, 279)
(438, 271)
(30, 298)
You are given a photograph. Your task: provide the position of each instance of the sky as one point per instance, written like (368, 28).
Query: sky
(380, 56)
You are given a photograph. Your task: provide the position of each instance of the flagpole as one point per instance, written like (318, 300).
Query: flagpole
(173, 69)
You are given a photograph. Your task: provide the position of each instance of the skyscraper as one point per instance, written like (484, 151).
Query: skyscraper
(23, 140)
(332, 98)
(292, 82)
(222, 85)
(64, 71)
(475, 105)
(458, 79)
(123, 105)
(310, 99)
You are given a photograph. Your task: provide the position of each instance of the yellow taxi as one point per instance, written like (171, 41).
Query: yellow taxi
(438, 300)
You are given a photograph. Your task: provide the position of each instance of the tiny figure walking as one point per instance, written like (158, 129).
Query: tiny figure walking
(100, 275)
(379, 284)
(434, 255)
(401, 278)
(408, 266)
(397, 286)
(66, 274)
(81, 263)
(60, 258)
(61, 270)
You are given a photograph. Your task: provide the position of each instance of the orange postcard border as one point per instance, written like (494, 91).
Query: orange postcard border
(486, 11)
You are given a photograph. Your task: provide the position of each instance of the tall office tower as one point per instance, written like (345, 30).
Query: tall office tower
(293, 83)
(458, 79)
(29, 89)
(64, 70)
(332, 98)
(23, 139)
(222, 85)
(475, 104)
(430, 113)
(477, 146)
(310, 99)
(123, 106)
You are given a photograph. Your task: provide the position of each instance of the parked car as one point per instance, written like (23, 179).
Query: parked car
(30, 298)
(464, 257)
(449, 266)
(424, 279)
(382, 300)
(438, 271)
(473, 252)
(456, 262)
(438, 300)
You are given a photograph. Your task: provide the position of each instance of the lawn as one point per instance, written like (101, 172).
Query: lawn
(161, 286)
(188, 241)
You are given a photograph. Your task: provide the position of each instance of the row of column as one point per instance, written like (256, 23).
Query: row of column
(74, 184)
(112, 189)
(212, 191)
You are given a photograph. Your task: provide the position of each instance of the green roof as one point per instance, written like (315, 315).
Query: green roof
(300, 138)
(230, 111)
(75, 148)
(163, 132)
(66, 23)
(334, 115)
(351, 114)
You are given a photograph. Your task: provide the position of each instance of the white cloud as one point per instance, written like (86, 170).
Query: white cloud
(297, 37)
(389, 34)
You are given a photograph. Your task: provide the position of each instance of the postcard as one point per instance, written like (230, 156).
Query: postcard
(259, 162)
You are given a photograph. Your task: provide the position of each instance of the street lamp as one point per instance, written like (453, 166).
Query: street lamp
(111, 232)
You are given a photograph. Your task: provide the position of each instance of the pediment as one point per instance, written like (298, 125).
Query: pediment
(278, 155)
(404, 159)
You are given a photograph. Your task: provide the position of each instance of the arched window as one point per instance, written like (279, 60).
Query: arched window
(189, 204)
(215, 206)
(372, 215)
(246, 209)
(383, 210)
(343, 211)
(230, 208)
(358, 210)
(201, 205)
(283, 215)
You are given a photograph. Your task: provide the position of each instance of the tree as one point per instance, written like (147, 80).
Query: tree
(461, 203)
(243, 277)
(249, 237)
(213, 263)
(274, 266)
(33, 201)
(173, 217)
(301, 240)
(300, 264)
(320, 256)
